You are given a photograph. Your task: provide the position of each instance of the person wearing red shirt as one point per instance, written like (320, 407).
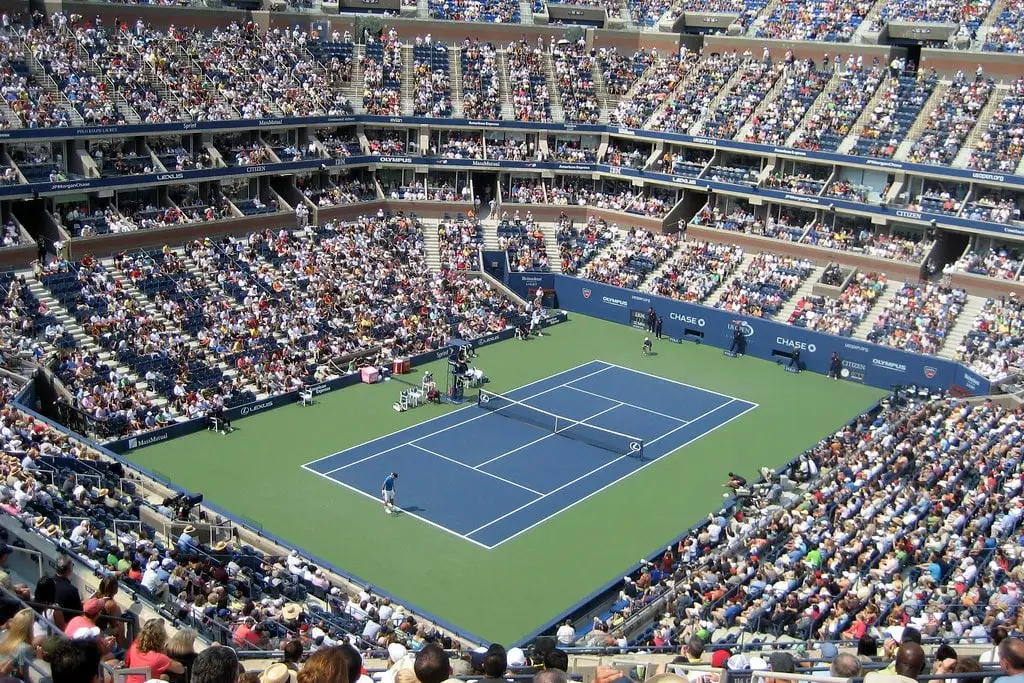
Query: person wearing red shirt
(147, 650)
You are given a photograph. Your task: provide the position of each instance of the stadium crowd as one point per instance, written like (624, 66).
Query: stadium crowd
(630, 258)
(918, 317)
(696, 270)
(840, 316)
(765, 285)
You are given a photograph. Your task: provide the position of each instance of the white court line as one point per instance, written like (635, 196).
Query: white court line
(598, 469)
(548, 436)
(441, 417)
(620, 479)
(682, 384)
(630, 405)
(470, 467)
(404, 512)
(445, 429)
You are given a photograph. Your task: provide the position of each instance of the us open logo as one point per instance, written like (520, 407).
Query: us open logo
(930, 372)
(586, 293)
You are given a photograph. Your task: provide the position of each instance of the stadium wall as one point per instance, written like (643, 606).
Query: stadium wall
(864, 362)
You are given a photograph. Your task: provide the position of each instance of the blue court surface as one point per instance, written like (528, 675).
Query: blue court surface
(485, 475)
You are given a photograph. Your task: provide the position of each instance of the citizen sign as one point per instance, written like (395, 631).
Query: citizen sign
(256, 407)
(688, 319)
(794, 344)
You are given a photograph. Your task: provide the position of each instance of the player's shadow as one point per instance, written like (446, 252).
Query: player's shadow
(413, 509)
(653, 353)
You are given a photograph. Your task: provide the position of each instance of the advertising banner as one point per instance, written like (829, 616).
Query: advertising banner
(871, 364)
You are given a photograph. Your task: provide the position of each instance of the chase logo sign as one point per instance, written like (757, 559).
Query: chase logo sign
(793, 344)
(741, 326)
(586, 293)
(688, 319)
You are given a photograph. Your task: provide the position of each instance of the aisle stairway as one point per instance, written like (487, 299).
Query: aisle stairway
(964, 324)
(804, 290)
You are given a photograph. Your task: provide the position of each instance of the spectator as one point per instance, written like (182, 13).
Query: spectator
(566, 634)
(220, 665)
(68, 597)
(557, 659)
(551, 676)
(181, 649)
(432, 665)
(78, 661)
(909, 663)
(1011, 659)
(147, 650)
(845, 665)
(326, 665)
(293, 658)
(17, 650)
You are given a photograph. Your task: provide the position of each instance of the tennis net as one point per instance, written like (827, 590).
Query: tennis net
(605, 439)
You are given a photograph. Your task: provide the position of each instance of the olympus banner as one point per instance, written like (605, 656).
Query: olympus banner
(878, 366)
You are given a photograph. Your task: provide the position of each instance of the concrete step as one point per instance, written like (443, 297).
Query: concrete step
(964, 324)
(802, 291)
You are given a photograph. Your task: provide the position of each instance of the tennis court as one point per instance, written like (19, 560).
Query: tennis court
(502, 466)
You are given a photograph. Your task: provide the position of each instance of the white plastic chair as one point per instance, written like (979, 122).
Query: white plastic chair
(415, 397)
(306, 397)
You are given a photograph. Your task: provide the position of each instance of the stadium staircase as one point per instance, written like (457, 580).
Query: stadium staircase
(1020, 167)
(990, 108)
(804, 290)
(125, 109)
(554, 92)
(868, 324)
(964, 323)
(865, 32)
(408, 81)
(9, 118)
(506, 98)
(772, 96)
(210, 88)
(820, 104)
(84, 341)
(526, 12)
(627, 19)
(601, 88)
(432, 248)
(455, 66)
(990, 21)
(147, 305)
(356, 84)
(851, 139)
(50, 86)
(698, 127)
(914, 134)
(763, 17)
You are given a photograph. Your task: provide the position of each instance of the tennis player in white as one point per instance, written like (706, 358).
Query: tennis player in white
(387, 492)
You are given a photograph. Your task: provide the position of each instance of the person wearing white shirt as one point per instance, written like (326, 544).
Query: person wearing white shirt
(566, 634)
(80, 533)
